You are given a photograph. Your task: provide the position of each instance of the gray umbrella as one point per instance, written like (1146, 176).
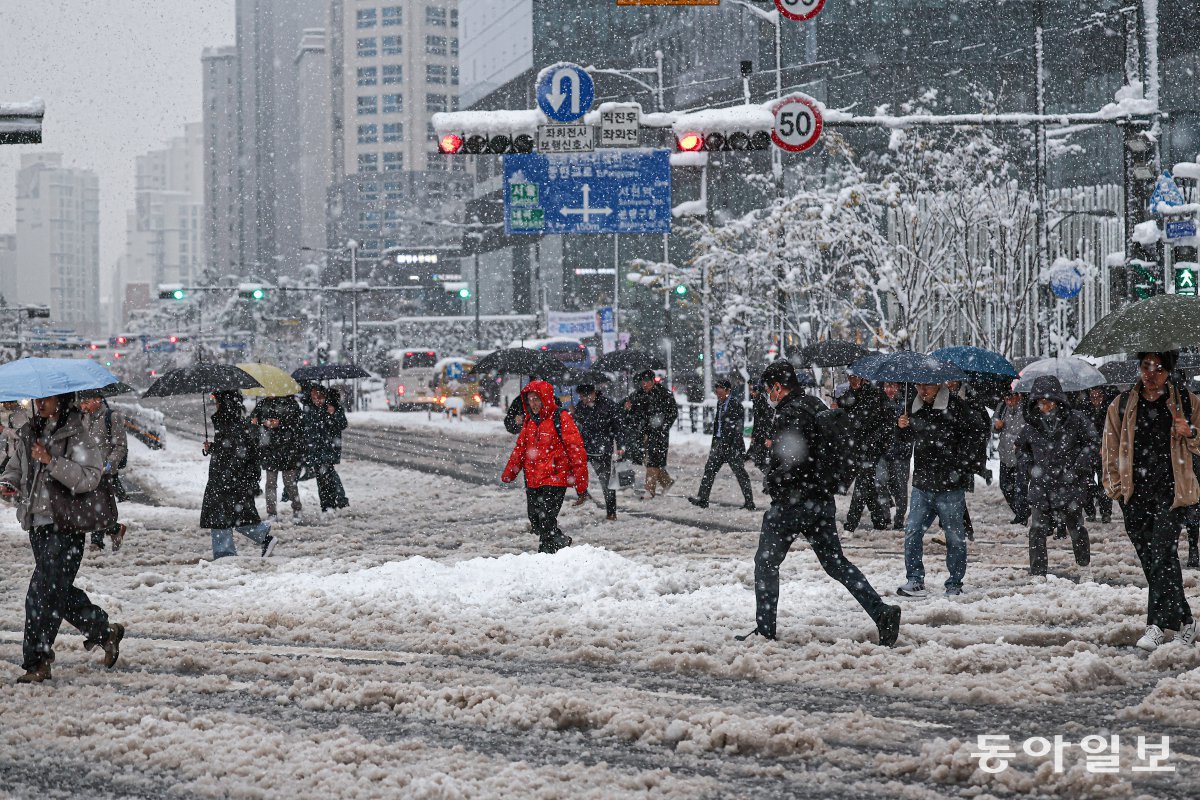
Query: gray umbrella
(1074, 374)
(1161, 323)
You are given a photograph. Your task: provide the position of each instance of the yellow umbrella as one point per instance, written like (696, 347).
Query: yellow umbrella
(275, 382)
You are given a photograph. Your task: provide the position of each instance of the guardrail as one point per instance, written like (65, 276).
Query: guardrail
(147, 425)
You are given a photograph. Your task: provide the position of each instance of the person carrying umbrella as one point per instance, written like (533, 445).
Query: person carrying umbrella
(107, 427)
(801, 479)
(1008, 422)
(551, 453)
(1150, 436)
(599, 422)
(233, 475)
(870, 431)
(1099, 398)
(281, 451)
(1055, 450)
(898, 458)
(943, 430)
(53, 474)
(324, 421)
(728, 447)
(655, 411)
(763, 414)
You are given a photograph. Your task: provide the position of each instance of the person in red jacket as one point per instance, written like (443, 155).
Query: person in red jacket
(550, 451)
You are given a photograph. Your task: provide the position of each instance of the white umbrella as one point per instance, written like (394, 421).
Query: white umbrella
(1075, 374)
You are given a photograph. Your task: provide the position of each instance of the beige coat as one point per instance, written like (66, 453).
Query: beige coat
(1117, 450)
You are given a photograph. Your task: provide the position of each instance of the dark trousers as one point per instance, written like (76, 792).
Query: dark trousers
(602, 464)
(329, 488)
(1097, 499)
(1153, 528)
(1044, 523)
(719, 456)
(1015, 487)
(543, 504)
(893, 475)
(98, 536)
(816, 522)
(866, 495)
(53, 597)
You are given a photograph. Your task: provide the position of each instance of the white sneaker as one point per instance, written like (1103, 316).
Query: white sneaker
(1152, 638)
(1187, 634)
(912, 589)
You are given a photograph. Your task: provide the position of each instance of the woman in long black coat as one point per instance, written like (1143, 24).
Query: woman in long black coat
(233, 473)
(324, 421)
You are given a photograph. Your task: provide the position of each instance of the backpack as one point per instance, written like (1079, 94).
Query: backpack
(108, 426)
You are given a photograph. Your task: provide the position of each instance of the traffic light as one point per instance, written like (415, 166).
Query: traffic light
(472, 133)
(471, 144)
(464, 293)
(723, 140)
(170, 291)
(37, 312)
(322, 355)
(253, 293)
(681, 290)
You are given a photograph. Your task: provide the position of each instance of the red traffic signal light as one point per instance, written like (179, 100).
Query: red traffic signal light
(122, 340)
(466, 143)
(173, 339)
(691, 142)
(450, 144)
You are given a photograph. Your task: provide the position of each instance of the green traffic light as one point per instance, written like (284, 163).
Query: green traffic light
(258, 294)
(178, 294)
(681, 290)
(464, 293)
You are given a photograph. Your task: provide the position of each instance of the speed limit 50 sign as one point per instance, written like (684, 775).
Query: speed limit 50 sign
(797, 123)
(800, 10)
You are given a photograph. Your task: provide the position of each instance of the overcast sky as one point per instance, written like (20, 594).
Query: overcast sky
(119, 77)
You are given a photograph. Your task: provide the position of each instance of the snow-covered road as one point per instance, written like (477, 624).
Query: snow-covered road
(416, 647)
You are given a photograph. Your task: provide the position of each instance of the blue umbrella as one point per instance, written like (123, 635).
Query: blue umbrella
(977, 360)
(865, 367)
(45, 377)
(909, 367)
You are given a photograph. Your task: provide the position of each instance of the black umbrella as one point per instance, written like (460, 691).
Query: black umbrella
(519, 361)
(329, 372)
(632, 360)
(114, 389)
(591, 376)
(203, 379)
(1120, 373)
(831, 353)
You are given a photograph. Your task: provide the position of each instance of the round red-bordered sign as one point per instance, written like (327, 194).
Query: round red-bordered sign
(800, 10)
(798, 123)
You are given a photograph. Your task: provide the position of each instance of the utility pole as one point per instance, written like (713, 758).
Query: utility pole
(1046, 300)
(353, 245)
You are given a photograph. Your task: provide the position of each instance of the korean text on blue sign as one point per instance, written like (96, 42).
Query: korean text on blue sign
(625, 191)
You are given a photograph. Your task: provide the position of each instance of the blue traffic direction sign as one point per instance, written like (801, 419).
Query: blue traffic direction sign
(565, 92)
(609, 191)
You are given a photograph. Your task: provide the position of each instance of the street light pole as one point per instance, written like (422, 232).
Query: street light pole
(353, 245)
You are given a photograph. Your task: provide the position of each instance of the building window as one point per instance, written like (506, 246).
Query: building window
(393, 103)
(392, 15)
(393, 132)
(368, 104)
(435, 164)
(393, 162)
(366, 18)
(392, 191)
(392, 46)
(435, 45)
(366, 47)
(393, 74)
(454, 47)
(436, 102)
(454, 18)
(454, 76)
(435, 17)
(367, 76)
(368, 162)
(435, 74)
(368, 134)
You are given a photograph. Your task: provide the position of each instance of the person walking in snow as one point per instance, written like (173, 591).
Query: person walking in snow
(1096, 408)
(107, 427)
(281, 451)
(324, 421)
(869, 433)
(1150, 436)
(801, 479)
(599, 422)
(233, 475)
(897, 460)
(1008, 422)
(943, 430)
(53, 472)
(655, 410)
(551, 453)
(1055, 449)
(763, 414)
(728, 447)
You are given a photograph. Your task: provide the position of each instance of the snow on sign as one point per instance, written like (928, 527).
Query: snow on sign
(799, 10)
(610, 191)
(797, 122)
(565, 91)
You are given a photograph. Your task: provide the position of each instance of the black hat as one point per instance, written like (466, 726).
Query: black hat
(1047, 387)
(646, 375)
(724, 383)
(781, 372)
(585, 388)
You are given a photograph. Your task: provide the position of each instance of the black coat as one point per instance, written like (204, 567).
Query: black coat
(280, 448)
(800, 467)
(980, 436)
(732, 417)
(1058, 458)
(943, 436)
(869, 425)
(517, 406)
(233, 472)
(599, 424)
(323, 433)
(899, 450)
(764, 415)
(654, 412)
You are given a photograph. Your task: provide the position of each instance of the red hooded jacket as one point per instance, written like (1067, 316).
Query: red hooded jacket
(547, 459)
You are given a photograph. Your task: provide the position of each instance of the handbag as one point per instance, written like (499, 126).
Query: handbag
(622, 476)
(82, 513)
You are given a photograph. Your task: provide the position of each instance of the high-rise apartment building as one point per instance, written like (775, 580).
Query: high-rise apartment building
(223, 235)
(8, 264)
(314, 133)
(58, 238)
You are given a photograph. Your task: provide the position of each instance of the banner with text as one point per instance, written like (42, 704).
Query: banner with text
(572, 324)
